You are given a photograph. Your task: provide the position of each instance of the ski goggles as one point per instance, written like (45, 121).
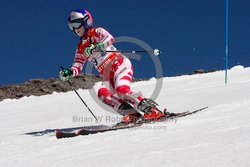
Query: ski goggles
(75, 24)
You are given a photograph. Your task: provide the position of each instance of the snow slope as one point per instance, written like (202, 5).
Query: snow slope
(219, 136)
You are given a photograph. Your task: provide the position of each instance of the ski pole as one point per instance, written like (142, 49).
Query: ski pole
(80, 97)
(156, 52)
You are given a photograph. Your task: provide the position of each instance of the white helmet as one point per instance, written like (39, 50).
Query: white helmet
(78, 18)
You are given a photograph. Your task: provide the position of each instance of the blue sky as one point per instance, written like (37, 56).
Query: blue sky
(35, 39)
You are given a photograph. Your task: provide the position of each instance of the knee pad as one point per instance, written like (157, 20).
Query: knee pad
(103, 92)
(124, 89)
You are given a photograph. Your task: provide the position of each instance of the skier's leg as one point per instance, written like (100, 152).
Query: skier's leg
(122, 81)
(113, 101)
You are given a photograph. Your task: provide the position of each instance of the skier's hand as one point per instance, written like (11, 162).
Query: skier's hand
(89, 50)
(65, 74)
(94, 48)
(99, 46)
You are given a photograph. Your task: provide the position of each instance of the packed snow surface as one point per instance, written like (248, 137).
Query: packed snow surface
(217, 136)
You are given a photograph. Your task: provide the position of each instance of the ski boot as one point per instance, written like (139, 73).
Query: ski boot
(130, 115)
(131, 118)
(150, 110)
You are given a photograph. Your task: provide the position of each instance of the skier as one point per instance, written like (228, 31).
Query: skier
(115, 69)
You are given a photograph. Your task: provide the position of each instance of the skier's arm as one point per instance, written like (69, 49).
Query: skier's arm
(79, 62)
(103, 40)
(104, 37)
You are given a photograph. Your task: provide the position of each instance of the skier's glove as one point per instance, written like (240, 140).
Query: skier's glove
(65, 74)
(94, 48)
(99, 46)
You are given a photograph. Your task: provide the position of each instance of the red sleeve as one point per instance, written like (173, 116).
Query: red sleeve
(104, 36)
(79, 59)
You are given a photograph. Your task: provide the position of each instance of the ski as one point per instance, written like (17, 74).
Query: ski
(84, 131)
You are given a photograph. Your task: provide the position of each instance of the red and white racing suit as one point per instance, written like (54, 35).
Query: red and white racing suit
(115, 68)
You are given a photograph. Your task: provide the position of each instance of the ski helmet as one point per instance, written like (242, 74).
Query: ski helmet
(78, 18)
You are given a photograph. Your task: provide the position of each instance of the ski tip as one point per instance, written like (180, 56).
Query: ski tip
(58, 134)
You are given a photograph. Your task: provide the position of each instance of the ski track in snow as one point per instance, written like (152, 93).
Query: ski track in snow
(217, 136)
